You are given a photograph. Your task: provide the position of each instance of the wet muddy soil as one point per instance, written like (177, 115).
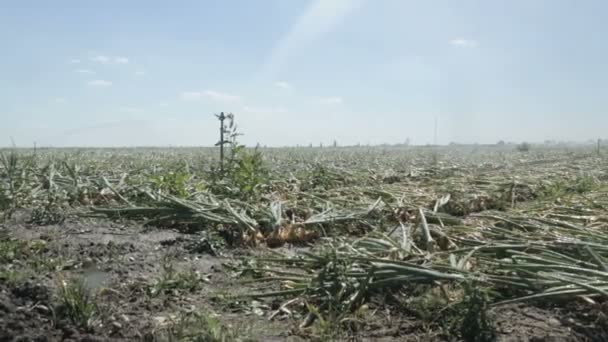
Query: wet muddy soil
(147, 284)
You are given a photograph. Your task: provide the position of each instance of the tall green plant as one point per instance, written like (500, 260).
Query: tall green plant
(14, 172)
(241, 172)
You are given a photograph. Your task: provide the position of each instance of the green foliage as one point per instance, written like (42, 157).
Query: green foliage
(583, 184)
(319, 177)
(49, 213)
(248, 172)
(171, 281)
(14, 171)
(328, 328)
(13, 277)
(426, 302)
(30, 252)
(5, 201)
(76, 302)
(476, 325)
(553, 189)
(198, 327)
(323, 177)
(172, 182)
(243, 173)
(11, 250)
(561, 187)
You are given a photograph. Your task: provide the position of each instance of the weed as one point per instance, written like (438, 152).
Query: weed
(29, 252)
(476, 325)
(173, 182)
(322, 177)
(48, 264)
(76, 302)
(248, 172)
(11, 250)
(14, 171)
(427, 304)
(13, 277)
(583, 184)
(553, 190)
(198, 327)
(172, 280)
(45, 215)
(327, 328)
(5, 202)
(558, 188)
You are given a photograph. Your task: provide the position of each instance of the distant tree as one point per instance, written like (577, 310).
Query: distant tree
(524, 147)
(500, 143)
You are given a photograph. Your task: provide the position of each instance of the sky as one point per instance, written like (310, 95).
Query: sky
(153, 73)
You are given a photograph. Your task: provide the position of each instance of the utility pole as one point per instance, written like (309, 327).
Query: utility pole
(221, 117)
(599, 141)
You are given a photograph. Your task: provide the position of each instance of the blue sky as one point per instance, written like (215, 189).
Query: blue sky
(115, 73)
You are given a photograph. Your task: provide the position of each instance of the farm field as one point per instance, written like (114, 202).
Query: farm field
(474, 243)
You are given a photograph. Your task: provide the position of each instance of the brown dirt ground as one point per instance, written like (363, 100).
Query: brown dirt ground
(121, 260)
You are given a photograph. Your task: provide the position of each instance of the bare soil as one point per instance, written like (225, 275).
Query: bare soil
(122, 262)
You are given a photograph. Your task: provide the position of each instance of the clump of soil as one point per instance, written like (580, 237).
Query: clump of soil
(26, 313)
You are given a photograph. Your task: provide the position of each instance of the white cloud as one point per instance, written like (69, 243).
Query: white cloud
(141, 73)
(209, 94)
(283, 84)
(121, 60)
(221, 96)
(318, 19)
(461, 42)
(332, 100)
(264, 112)
(270, 110)
(60, 100)
(84, 71)
(109, 60)
(74, 60)
(99, 83)
(101, 59)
